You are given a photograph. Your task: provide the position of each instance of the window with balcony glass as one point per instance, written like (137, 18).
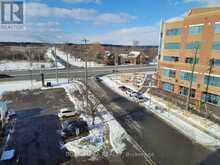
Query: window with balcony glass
(169, 73)
(190, 60)
(184, 91)
(212, 81)
(168, 86)
(171, 58)
(211, 98)
(194, 45)
(195, 29)
(172, 45)
(187, 76)
(217, 28)
(174, 32)
(216, 45)
(214, 62)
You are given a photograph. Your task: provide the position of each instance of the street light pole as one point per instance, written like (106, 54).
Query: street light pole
(55, 54)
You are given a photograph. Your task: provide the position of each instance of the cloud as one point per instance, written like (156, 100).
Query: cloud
(146, 35)
(34, 32)
(42, 32)
(113, 18)
(35, 9)
(43, 10)
(204, 2)
(83, 1)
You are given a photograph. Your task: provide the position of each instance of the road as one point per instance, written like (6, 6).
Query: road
(74, 72)
(168, 146)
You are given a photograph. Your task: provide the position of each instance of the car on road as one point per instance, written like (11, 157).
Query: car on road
(98, 79)
(74, 128)
(123, 88)
(66, 112)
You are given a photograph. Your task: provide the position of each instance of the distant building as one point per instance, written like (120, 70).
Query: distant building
(133, 57)
(200, 28)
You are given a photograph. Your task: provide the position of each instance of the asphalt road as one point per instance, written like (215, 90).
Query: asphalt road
(167, 146)
(74, 72)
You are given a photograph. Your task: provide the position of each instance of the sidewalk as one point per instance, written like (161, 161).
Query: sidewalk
(198, 129)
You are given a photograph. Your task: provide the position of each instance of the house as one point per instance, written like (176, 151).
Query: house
(109, 58)
(133, 57)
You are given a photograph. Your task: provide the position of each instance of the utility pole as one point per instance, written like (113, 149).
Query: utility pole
(55, 54)
(68, 65)
(191, 77)
(86, 72)
(208, 82)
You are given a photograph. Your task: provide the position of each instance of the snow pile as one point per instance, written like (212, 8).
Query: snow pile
(196, 128)
(98, 138)
(50, 56)
(23, 65)
(117, 133)
(76, 61)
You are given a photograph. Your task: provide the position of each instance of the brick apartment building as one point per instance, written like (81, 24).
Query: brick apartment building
(198, 31)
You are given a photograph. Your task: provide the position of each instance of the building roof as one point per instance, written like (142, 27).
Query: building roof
(134, 54)
(196, 11)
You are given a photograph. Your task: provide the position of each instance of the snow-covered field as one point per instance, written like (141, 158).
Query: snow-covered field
(76, 61)
(6, 65)
(198, 129)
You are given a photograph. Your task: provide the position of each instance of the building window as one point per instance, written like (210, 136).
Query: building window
(212, 81)
(187, 76)
(216, 45)
(217, 28)
(168, 86)
(194, 45)
(172, 46)
(196, 29)
(190, 60)
(170, 58)
(211, 98)
(173, 32)
(215, 62)
(169, 73)
(184, 91)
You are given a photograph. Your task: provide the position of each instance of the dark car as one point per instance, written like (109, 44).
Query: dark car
(74, 128)
(98, 79)
(123, 88)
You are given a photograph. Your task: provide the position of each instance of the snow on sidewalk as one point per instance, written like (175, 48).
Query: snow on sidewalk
(177, 119)
(76, 61)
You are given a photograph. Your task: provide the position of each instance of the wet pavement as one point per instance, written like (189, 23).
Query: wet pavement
(166, 145)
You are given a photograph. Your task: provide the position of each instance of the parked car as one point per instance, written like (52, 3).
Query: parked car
(123, 88)
(129, 91)
(65, 112)
(74, 128)
(133, 94)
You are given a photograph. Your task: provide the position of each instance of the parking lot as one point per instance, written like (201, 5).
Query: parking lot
(36, 139)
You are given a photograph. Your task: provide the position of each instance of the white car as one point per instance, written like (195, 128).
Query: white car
(65, 112)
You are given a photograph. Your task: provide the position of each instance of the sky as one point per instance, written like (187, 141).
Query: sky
(100, 21)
